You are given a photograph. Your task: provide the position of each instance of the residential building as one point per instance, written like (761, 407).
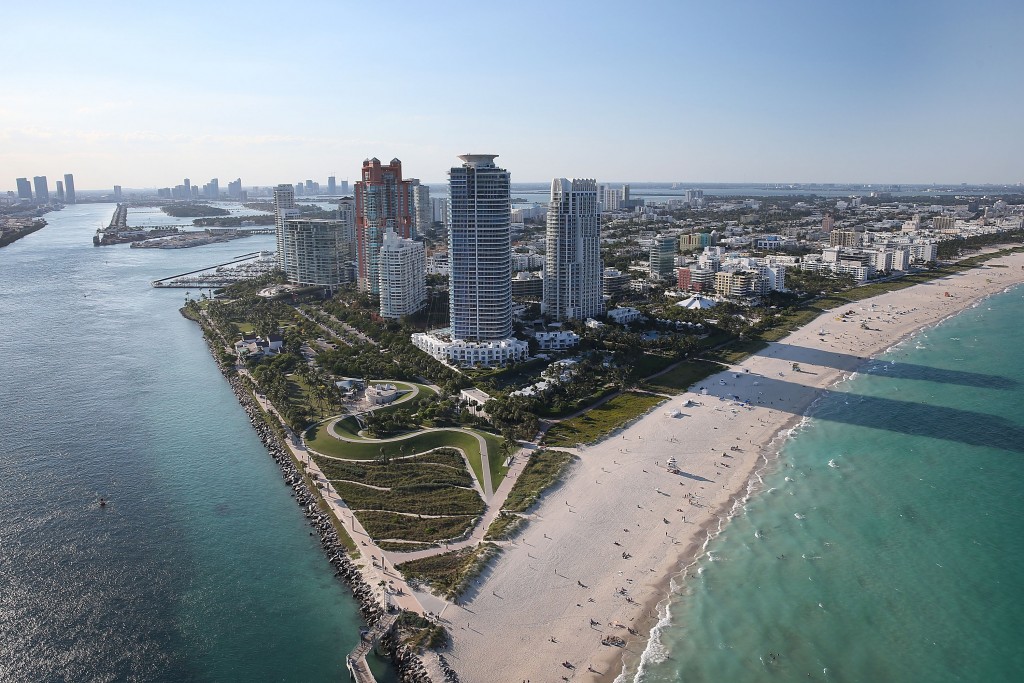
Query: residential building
(42, 192)
(313, 250)
(60, 191)
(774, 242)
(117, 193)
(572, 280)
(437, 264)
(698, 240)
(942, 223)
(527, 286)
(827, 223)
(235, 188)
(69, 189)
(844, 238)
(663, 256)
(480, 264)
(610, 198)
(24, 190)
(284, 209)
(332, 185)
(614, 282)
(383, 200)
(479, 250)
(736, 284)
(557, 340)
(402, 267)
(439, 211)
(624, 315)
(423, 214)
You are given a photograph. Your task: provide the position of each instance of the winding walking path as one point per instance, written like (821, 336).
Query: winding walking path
(485, 465)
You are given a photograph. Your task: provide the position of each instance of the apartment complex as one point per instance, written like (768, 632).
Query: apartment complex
(284, 209)
(313, 249)
(572, 281)
(480, 265)
(402, 267)
(383, 200)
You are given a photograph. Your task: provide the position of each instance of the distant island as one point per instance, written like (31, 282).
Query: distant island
(191, 210)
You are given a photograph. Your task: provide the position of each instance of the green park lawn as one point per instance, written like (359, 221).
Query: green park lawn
(602, 420)
(682, 377)
(320, 440)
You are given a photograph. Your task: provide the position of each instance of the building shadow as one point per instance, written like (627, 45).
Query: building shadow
(877, 412)
(809, 355)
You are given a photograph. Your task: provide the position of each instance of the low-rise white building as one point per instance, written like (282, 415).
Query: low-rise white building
(460, 353)
(382, 394)
(557, 341)
(252, 345)
(624, 315)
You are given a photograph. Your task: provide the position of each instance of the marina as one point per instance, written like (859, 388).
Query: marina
(244, 267)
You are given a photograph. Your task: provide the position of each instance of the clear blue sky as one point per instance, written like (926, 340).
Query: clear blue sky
(144, 94)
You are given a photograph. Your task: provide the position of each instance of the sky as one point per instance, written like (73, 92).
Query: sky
(145, 94)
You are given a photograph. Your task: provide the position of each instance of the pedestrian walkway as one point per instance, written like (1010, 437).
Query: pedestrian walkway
(356, 660)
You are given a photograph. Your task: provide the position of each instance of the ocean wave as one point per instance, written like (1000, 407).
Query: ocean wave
(655, 652)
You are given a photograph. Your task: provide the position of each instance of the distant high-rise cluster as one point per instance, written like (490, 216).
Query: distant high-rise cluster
(42, 190)
(572, 282)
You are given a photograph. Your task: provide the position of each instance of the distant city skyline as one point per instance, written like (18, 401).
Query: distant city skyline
(785, 92)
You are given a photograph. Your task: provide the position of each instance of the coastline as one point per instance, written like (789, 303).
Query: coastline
(409, 666)
(566, 568)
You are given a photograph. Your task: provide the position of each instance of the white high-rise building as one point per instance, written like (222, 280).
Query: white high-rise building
(480, 250)
(480, 258)
(284, 208)
(313, 251)
(610, 198)
(403, 288)
(572, 282)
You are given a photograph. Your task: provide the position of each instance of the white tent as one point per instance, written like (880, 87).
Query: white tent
(696, 301)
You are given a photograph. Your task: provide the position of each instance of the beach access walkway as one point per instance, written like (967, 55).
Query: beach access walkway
(356, 660)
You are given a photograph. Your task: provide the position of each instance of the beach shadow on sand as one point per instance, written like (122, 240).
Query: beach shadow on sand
(906, 417)
(810, 355)
(695, 477)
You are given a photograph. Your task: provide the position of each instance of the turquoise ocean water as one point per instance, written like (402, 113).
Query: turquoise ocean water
(202, 568)
(888, 539)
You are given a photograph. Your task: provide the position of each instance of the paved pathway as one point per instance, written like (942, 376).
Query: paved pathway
(371, 562)
(490, 512)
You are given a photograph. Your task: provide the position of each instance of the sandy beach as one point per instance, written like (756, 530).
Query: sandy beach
(598, 554)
